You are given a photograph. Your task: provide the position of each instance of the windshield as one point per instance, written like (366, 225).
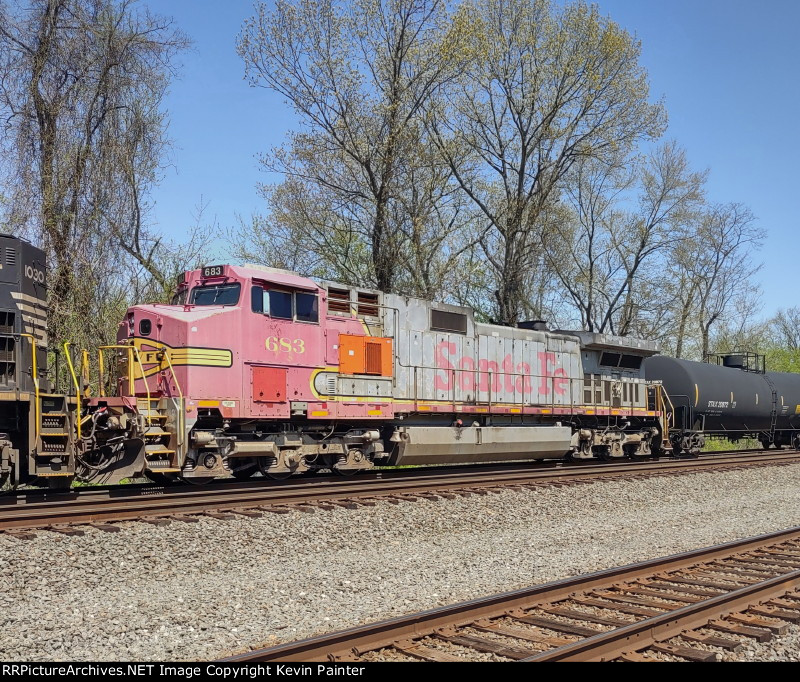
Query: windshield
(216, 294)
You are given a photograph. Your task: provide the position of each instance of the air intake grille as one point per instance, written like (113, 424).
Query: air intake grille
(11, 256)
(373, 358)
(338, 300)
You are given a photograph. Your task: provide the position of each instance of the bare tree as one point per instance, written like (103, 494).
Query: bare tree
(543, 87)
(357, 76)
(607, 255)
(785, 328)
(723, 267)
(80, 89)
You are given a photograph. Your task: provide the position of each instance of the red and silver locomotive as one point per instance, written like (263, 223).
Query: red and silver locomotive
(254, 369)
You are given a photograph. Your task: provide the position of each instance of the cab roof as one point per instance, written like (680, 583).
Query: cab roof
(248, 272)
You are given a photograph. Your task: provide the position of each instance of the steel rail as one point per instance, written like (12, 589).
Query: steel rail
(349, 644)
(27, 510)
(607, 646)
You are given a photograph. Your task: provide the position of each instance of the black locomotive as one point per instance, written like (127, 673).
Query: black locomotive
(36, 425)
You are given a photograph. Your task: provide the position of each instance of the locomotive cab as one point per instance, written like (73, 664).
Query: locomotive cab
(239, 348)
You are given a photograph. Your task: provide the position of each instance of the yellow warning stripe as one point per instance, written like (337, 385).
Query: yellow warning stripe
(182, 356)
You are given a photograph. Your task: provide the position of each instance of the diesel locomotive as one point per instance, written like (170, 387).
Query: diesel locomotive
(37, 426)
(256, 370)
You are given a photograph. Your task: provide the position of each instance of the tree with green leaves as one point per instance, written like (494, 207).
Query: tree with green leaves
(359, 181)
(82, 84)
(543, 87)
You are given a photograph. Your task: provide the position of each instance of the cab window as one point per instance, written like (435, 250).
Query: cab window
(285, 305)
(280, 305)
(179, 298)
(216, 294)
(306, 307)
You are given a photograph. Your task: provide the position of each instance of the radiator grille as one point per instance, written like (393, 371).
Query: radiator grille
(373, 358)
(338, 300)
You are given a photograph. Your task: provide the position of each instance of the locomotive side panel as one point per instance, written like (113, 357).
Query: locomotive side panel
(478, 364)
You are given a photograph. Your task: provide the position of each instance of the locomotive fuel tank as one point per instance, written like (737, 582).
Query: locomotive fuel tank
(719, 399)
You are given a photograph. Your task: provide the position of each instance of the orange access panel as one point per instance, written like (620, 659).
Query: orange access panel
(351, 354)
(365, 355)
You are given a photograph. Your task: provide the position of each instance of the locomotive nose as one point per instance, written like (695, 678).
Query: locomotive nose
(137, 323)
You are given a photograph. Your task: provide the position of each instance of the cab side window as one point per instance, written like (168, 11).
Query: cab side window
(257, 299)
(280, 305)
(284, 305)
(306, 307)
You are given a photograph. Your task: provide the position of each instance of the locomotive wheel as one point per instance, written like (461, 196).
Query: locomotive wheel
(265, 466)
(162, 479)
(243, 474)
(602, 453)
(353, 457)
(197, 480)
(346, 472)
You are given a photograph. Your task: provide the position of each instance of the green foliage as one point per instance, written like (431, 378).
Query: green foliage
(782, 359)
(723, 445)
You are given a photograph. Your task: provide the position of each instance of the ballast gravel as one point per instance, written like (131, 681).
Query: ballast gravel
(194, 591)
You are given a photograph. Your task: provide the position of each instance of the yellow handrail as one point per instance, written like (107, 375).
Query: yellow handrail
(87, 391)
(101, 381)
(38, 407)
(181, 414)
(67, 344)
(146, 385)
(174, 377)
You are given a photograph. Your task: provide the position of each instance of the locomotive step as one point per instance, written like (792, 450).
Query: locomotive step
(157, 431)
(157, 450)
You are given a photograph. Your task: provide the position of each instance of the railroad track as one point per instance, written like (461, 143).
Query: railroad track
(65, 511)
(694, 606)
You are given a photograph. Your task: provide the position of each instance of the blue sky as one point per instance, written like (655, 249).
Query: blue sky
(728, 70)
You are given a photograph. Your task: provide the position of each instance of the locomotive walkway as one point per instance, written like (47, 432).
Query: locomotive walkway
(689, 606)
(23, 512)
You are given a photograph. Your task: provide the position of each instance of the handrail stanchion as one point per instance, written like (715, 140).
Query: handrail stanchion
(38, 406)
(67, 344)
